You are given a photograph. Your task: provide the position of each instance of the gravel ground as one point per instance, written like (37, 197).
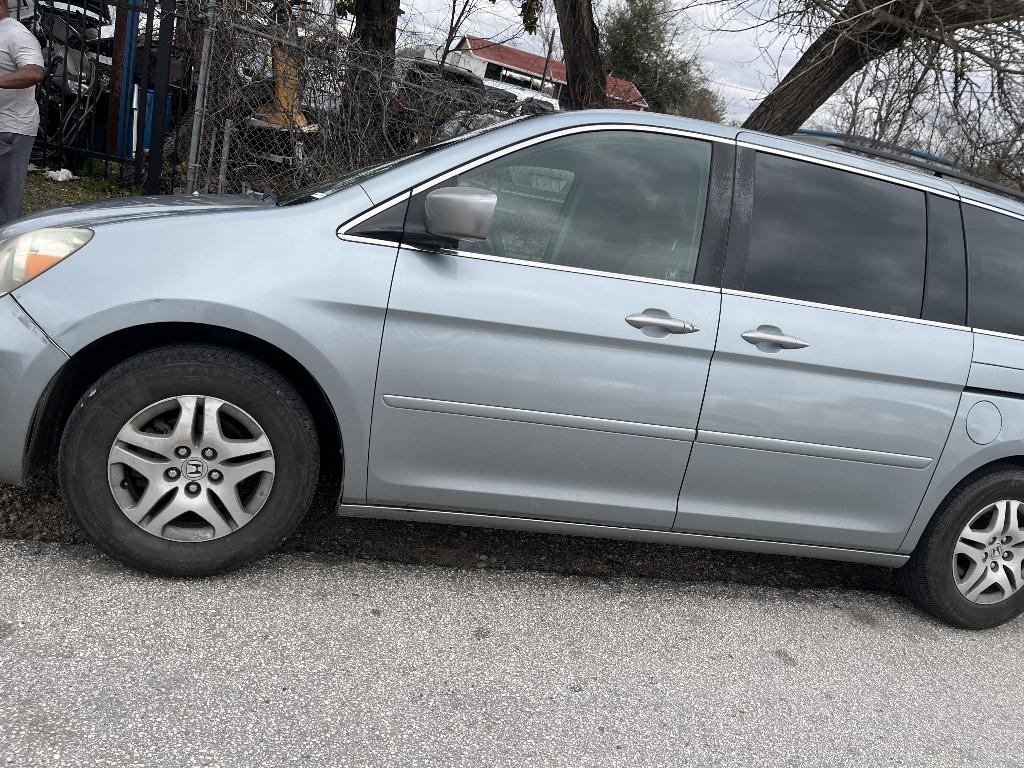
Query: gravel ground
(314, 659)
(382, 643)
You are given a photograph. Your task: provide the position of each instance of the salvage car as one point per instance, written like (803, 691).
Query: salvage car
(603, 323)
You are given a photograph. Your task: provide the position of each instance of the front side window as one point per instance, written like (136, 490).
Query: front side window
(834, 237)
(624, 202)
(995, 261)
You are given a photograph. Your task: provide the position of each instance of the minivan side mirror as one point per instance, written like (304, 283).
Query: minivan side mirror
(459, 213)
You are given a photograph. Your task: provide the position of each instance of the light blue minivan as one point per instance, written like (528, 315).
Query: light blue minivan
(601, 323)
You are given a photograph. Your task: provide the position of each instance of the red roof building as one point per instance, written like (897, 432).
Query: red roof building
(525, 69)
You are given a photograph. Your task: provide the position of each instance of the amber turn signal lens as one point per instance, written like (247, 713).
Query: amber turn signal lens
(36, 263)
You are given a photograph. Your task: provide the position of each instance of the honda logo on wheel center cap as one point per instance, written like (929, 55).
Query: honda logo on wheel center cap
(193, 469)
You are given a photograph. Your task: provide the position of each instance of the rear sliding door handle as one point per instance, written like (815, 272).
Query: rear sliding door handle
(772, 339)
(669, 324)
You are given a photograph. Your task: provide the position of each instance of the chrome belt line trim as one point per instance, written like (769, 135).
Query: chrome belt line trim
(592, 530)
(540, 417)
(812, 449)
(999, 334)
(566, 268)
(993, 208)
(838, 308)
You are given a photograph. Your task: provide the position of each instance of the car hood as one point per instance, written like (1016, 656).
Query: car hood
(127, 208)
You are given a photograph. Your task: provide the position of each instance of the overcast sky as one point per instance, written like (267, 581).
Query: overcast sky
(731, 55)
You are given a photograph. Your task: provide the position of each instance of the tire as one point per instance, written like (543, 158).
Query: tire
(928, 578)
(260, 411)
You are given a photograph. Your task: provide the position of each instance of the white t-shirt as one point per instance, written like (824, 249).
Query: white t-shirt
(19, 112)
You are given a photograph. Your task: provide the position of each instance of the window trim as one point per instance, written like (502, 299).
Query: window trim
(736, 143)
(735, 222)
(993, 208)
(846, 310)
(998, 334)
(724, 215)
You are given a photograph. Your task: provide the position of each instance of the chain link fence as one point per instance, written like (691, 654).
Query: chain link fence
(285, 100)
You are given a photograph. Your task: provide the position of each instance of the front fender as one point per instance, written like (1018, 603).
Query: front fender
(281, 276)
(28, 362)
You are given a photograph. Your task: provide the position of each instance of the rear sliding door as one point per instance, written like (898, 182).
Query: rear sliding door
(836, 374)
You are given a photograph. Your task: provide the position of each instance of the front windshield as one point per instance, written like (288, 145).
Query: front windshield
(358, 175)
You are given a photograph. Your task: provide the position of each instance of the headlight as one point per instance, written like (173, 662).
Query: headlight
(28, 255)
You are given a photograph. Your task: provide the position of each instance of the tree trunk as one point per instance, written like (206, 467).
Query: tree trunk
(825, 66)
(587, 81)
(377, 25)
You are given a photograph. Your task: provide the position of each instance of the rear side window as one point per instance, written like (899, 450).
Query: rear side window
(834, 237)
(995, 261)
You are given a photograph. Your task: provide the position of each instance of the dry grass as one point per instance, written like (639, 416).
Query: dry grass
(42, 193)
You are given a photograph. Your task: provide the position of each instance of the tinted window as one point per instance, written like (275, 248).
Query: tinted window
(828, 236)
(945, 294)
(612, 201)
(995, 258)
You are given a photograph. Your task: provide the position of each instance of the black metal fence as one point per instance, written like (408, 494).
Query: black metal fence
(235, 95)
(115, 85)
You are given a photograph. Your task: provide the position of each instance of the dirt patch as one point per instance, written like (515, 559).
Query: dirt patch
(37, 513)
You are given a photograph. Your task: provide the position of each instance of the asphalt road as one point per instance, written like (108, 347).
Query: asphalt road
(347, 659)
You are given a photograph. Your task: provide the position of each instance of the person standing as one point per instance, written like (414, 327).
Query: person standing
(21, 67)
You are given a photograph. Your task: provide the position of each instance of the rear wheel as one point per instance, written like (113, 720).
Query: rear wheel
(189, 460)
(967, 569)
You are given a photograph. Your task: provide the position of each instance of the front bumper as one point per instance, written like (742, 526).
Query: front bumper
(28, 362)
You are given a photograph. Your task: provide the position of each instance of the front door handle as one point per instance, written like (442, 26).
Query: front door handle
(670, 324)
(768, 338)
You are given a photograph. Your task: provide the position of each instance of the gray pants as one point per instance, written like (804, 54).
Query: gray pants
(15, 149)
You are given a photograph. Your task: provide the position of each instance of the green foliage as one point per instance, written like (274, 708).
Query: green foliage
(643, 43)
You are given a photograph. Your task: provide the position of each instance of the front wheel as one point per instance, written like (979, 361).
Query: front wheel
(189, 460)
(967, 569)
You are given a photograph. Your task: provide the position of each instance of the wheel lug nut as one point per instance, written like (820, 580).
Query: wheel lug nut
(992, 540)
(995, 566)
(215, 475)
(984, 556)
(1007, 555)
(124, 483)
(182, 451)
(172, 474)
(209, 453)
(192, 487)
(1005, 540)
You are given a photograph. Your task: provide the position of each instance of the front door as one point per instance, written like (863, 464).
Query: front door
(830, 398)
(556, 369)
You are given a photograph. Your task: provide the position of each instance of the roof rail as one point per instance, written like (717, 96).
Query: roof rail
(922, 161)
